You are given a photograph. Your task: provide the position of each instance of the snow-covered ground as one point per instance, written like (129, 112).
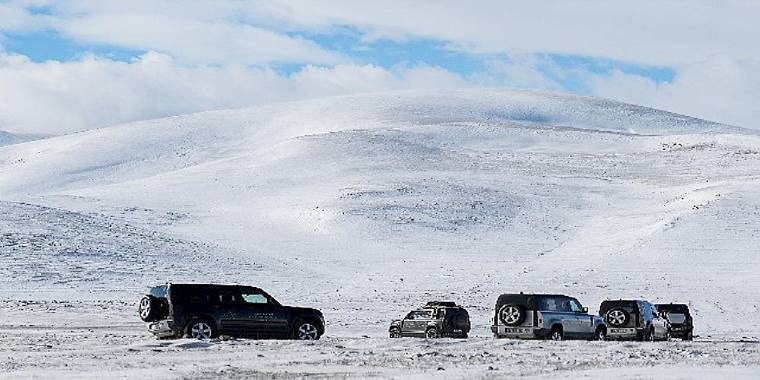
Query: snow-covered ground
(367, 206)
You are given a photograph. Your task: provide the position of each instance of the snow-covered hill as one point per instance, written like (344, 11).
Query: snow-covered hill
(7, 138)
(368, 205)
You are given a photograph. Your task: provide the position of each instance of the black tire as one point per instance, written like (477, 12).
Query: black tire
(432, 333)
(202, 329)
(617, 317)
(306, 330)
(689, 336)
(395, 332)
(556, 334)
(512, 315)
(600, 334)
(149, 309)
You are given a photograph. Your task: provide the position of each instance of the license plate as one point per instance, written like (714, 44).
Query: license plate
(514, 330)
(622, 331)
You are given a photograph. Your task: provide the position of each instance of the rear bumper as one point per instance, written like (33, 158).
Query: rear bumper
(519, 332)
(163, 329)
(680, 332)
(456, 334)
(631, 333)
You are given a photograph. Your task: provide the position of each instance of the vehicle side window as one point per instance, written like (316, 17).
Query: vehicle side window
(575, 306)
(554, 304)
(254, 298)
(223, 298)
(419, 314)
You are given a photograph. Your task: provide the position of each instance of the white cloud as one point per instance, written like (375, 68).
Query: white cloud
(59, 97)
(217, 54)
(720, 88)
(648, 31)
(220, 31)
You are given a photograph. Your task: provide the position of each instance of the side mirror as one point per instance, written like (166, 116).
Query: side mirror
(585, 309)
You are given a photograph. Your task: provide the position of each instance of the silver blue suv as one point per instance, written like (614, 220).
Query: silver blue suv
(634, 320)
(545, 316)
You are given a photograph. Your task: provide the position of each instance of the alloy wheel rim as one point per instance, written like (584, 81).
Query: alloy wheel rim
(556, 335)
(432, 333)
(307, 331)
(616, 317)
(510, 314)
(201, 330)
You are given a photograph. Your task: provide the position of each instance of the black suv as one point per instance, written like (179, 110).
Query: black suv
(681, 323)
(434, 320)
(205, 311)
(634, 320)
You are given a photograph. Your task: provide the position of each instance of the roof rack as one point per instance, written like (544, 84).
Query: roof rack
(441, 304)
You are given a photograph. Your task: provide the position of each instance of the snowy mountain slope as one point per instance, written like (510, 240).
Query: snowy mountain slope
(152, 147)
(399, 198)
(7, 138)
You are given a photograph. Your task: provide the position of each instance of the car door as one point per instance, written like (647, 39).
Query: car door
(264, 317)
(570, 324)
(232, 315)
(584, 323)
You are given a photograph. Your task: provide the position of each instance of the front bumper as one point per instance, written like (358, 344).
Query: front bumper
(163, 328)
(518, 332)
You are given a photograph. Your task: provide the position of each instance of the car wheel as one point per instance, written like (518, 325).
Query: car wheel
(617, 317)
(600, 334)
(307, 331)
(556, 334)
(667, 336)
(689, 337)
(395, 333)
(432, 333)
(202, 329)
(512, 315)
(148, 309)
(650, 336)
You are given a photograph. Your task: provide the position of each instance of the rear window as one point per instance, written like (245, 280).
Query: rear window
(629, 306)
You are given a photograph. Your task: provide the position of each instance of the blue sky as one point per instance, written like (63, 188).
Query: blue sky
(49, 45)
(196, 55)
